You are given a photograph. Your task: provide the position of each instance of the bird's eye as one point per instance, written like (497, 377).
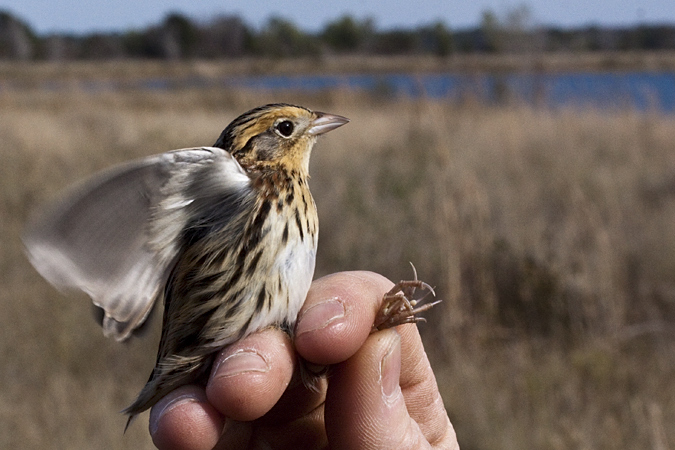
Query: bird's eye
(285, 128)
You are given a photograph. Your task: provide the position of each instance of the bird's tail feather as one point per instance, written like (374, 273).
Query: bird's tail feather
(169, 374)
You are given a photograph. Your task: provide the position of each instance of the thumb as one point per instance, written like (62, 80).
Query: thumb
(365, 407)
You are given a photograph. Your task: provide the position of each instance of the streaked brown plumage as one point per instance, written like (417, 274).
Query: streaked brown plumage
(250, 268)
(227, 235)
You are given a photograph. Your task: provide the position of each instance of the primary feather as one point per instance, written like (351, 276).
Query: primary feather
(114, 237)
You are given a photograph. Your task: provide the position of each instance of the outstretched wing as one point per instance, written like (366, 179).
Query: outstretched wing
(115, 236)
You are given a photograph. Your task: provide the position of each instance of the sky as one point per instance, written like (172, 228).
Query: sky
(78, 17)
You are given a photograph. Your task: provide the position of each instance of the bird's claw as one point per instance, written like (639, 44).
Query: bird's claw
(399, 305)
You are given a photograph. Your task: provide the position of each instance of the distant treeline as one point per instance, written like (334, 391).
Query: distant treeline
(181, 37)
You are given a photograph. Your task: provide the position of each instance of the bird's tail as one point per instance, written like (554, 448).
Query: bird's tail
(169, 374)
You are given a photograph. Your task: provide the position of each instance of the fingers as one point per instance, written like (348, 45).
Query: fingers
(365, 407)
(249, 377)
(371, 403)
(384, 393)
(184, 419)
(338, 315)
(420, 390)
(247, 380)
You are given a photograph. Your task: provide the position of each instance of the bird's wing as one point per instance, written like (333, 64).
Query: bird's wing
(115, 236)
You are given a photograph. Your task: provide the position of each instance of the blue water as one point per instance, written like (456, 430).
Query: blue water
(645, 91)
(641, 90)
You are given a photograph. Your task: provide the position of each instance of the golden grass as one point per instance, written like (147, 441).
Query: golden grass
(547, 233)
(30, 73)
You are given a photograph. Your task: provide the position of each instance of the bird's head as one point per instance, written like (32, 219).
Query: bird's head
(276, 134)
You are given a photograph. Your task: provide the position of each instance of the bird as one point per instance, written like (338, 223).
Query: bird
(225, 237)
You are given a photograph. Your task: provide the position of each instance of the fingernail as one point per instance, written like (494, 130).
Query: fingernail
(243, 361)
(390, 371)
(320, 315)
(167, 404)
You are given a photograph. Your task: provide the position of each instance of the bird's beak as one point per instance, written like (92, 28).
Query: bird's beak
(325, 122)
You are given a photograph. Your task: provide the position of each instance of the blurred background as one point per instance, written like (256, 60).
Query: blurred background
(521, 155)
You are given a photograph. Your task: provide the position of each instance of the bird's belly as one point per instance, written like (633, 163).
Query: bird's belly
(287, 281)
(296, 268)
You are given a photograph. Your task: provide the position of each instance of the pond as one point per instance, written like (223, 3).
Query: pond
(641, 90)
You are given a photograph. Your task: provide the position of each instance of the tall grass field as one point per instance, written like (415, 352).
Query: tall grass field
(549, 234)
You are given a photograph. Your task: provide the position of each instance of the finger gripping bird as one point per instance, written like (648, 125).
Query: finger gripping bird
(224, 236)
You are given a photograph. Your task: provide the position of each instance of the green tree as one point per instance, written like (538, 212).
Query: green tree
(17, 40)
(347, 34)
(183, 32)
(226, 36)
(436, 39)
(280, 38)
(513, 31)
(396, 42)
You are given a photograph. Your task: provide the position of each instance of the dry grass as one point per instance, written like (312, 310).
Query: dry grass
(22, 74)
(548, 234)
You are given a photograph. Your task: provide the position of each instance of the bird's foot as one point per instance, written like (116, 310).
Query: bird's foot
(399, 305)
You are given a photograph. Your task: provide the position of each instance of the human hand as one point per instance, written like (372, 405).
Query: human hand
(380, 394)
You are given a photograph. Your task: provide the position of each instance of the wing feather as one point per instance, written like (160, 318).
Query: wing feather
(115, 237)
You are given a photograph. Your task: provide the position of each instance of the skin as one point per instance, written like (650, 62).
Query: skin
(381, 392)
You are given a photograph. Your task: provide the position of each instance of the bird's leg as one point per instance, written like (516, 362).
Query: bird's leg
(399, 305)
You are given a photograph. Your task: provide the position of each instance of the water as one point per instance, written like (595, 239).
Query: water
(641, 90)
(645, 91)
